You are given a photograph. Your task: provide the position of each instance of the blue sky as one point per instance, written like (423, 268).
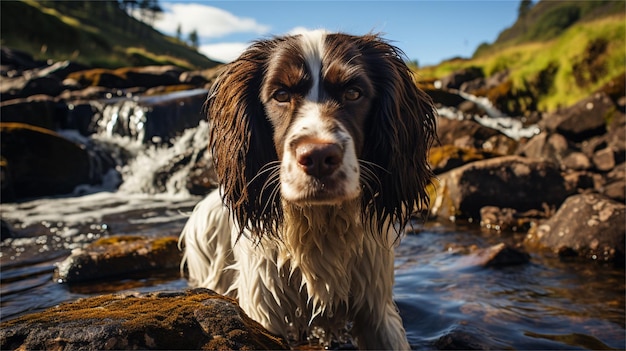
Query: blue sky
(427, 31)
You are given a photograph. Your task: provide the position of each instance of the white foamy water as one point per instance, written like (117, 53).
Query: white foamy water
(495, 119)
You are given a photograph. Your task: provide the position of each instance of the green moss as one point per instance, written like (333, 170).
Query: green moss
(546, 75)
(116, 240)
(109, 39)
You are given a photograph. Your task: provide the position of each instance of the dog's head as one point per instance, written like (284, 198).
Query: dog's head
(318, 119)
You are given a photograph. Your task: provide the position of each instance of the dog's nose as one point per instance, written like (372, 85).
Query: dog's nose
(319, 159)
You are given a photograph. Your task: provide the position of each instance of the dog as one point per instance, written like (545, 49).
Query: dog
(320, 143)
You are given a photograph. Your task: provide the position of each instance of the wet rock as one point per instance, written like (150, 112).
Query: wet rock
(40, 162)
(5, 230)
(470, 339)
(23, 86)
(583, 119)
(202, 178)
(194, 319)
(77, 93)
(153, 118)
(79, 116)
(499, 255)
(148, 76)
(117, 256)
(586, 225)
(36, 110)
(509, 182)
(499, 219)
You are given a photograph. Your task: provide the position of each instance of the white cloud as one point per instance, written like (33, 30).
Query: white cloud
(208, 21)
(223, 52)
(298, 30)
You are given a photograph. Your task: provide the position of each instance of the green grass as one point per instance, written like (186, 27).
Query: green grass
(95, 33)
(557, 72)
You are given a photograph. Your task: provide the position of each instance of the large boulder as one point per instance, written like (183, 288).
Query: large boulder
(586, 225)
(508, 182)
(40, 162)
(36, 110)
(583, 119)
(196, 319)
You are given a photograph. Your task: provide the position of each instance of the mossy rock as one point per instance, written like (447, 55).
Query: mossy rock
(118, 256)
(197, 319)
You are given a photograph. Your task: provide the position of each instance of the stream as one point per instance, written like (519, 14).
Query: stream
(446, 300)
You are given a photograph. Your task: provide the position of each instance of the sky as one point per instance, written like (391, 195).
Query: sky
(428, 31)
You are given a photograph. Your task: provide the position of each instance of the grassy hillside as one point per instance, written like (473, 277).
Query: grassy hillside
(553, 60)
(95, 33)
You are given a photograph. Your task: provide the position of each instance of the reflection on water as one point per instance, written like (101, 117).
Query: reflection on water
(545, 304)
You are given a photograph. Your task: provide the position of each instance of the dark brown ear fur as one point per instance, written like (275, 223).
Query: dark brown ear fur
(241, 139)
(401, 130)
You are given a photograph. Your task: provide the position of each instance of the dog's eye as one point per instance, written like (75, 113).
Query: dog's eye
(282, 95)
(352, 94)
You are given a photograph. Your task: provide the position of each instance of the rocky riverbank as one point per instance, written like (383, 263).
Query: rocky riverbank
(561, 187)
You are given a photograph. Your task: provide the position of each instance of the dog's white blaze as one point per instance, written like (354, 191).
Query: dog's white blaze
(313, 49)
(309, 124)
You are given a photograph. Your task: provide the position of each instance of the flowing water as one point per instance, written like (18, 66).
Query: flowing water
(446, 300)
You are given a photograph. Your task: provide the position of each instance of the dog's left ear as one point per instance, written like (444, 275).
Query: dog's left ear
(402, 129)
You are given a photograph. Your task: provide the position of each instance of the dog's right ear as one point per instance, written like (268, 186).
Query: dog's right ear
(241, 139)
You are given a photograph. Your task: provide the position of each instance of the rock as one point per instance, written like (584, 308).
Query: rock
(586, 225)
(446, 157)
(576, 161)
(5, 230)
(583, 119)
(455, 79)
(470, 134)
(193, 319)
(499, 219)
(148, 76)
(466, 337)
(499, 255)
(23, 86)
(117, 256)
(554, 147)
(17, 60)
(445, 97)
(154, 118)
(604, 159)
(36, 110)
(80, 116)
(86, 94)
(509, 182)
(201, 178)
(40, 162)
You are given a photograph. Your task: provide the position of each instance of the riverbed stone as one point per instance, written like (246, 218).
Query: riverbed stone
(117, 256)
(495, 256)
(586, 225)
(183, 320)
(508, 182)
(36, 110)
(40, 162)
